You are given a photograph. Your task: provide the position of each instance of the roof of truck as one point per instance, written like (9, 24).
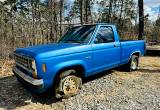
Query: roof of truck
(94, 24)
(101, 24)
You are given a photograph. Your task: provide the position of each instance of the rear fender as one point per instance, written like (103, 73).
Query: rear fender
(134, 52)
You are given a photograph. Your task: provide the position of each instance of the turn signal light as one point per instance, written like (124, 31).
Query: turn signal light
(44, 68)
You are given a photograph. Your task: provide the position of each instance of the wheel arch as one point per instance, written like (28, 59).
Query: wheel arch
(138, 53)
(80, 72)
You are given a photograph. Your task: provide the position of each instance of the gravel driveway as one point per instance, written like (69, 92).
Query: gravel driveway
(111, 90)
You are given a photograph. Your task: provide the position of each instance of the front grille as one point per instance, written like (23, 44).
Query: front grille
(23, 61)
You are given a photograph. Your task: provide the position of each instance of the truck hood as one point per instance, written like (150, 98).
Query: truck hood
(50, 50)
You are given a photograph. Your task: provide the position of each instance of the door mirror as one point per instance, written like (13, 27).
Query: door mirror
(96, 41)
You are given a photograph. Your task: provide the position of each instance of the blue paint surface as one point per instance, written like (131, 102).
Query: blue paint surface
(94, 58)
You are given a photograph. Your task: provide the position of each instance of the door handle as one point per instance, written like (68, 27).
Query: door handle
(88, 57)
(115, 45)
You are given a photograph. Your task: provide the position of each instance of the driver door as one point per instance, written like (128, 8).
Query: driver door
(106, 51)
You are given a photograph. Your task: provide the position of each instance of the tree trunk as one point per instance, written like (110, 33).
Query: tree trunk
(55, 21)
(81, 11)
(121, 11)
(33, 22)
(52, 12)
(110, 10)
(40, 25)
(141, 19)
(61, 12)
(86, 11)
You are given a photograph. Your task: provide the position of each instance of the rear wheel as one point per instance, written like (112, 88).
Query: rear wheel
(133, 63)
(68, 84)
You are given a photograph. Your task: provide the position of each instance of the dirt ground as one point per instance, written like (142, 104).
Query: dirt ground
(114, 89)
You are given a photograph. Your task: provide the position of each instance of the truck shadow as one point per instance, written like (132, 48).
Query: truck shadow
(149, 70)
(13, 95)
(97, 76)
(152, 52)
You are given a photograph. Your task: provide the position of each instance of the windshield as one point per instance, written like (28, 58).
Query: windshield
(80, 34)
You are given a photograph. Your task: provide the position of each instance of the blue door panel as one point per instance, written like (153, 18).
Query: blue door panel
(104, 56)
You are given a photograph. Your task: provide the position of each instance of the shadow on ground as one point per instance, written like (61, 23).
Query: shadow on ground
(97, 76)
(151, 52)
(149, 70)
(13, 94)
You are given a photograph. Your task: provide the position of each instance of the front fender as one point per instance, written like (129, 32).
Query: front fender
(56, 68)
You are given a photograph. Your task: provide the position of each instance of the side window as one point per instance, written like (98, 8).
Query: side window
(104, 35)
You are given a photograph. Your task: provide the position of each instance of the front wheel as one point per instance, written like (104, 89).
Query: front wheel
(68, 85)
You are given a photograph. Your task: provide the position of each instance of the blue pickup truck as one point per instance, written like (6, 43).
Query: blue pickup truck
(82, 51)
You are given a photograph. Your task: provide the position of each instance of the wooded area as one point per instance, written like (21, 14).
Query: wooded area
(31, 22)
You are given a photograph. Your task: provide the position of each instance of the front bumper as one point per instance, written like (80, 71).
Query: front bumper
(31, 83)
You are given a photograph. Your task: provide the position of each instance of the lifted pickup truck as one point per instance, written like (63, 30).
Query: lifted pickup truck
(83, 51)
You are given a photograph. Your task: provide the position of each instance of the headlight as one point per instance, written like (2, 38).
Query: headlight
(33, 65)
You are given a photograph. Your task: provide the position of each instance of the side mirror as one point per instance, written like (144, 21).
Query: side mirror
(96, 41)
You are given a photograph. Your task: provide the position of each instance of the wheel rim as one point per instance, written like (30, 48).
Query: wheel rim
(70, 85)
(134, 64)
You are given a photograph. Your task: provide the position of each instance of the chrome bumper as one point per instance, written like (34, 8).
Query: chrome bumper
(28, 79)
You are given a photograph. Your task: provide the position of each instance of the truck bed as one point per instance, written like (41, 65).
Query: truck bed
(130, 46)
